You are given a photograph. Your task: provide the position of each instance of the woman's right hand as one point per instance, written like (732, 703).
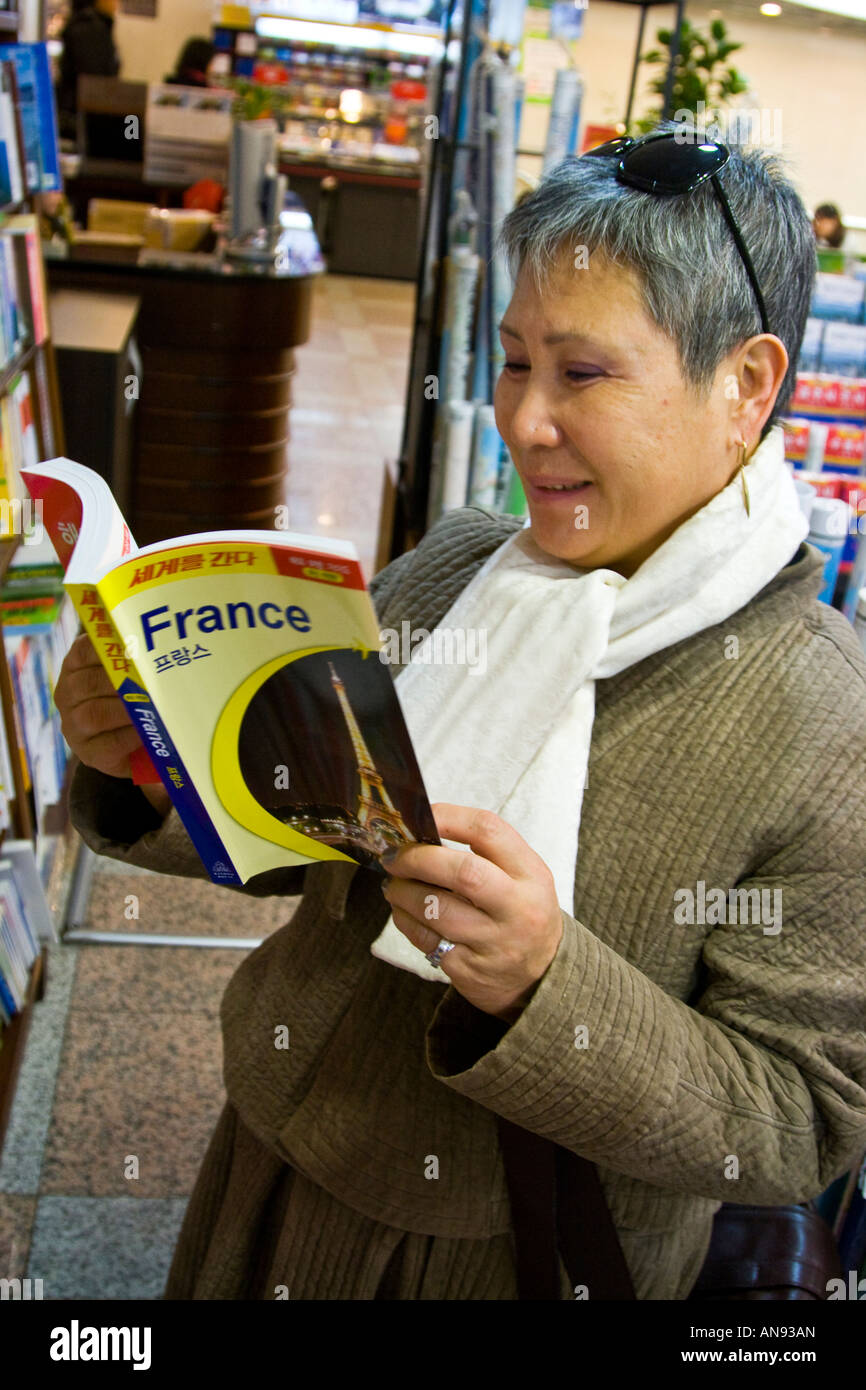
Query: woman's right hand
(94, 720)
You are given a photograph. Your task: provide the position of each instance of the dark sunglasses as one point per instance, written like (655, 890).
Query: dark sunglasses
(664, 164)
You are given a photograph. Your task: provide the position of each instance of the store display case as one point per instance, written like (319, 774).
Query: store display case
(352, 103)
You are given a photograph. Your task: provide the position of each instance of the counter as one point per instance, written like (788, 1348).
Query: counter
(217, 341)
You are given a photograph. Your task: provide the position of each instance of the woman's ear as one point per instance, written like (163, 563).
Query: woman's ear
(756, 369)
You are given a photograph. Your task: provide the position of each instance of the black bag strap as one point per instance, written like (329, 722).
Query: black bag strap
(558, 1207)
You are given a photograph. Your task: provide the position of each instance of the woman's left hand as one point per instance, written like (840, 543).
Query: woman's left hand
(497, 903)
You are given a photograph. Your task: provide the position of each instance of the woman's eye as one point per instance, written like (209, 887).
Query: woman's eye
(516, 366)
(581, 374)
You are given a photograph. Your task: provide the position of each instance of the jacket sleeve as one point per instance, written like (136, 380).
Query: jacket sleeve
(115, 818)
(756, 1094)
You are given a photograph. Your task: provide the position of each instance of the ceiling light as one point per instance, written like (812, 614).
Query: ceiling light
(851, 9)
(772, 10)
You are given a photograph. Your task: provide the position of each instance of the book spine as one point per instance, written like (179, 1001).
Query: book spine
(7, 998)
(36, 285)
(9, 137)
(96, 618)
(49, 147)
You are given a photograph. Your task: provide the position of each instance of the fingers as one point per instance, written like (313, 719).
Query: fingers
(93, 718)
(433, 914)
(486, 877)
(83, 678)
(490, 836)
(467, 876)
(81, 653)
(109, 753)
(423, 937)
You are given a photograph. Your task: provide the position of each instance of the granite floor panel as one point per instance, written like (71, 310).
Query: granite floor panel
(152, 980)
(104, 1248)
(167, 905)
(30, 1120)
(138, 1096)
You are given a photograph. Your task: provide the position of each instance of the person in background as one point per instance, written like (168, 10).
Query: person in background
(828, 228)
(88, 49)
(193, 62)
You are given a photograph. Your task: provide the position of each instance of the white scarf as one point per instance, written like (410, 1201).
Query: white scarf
(516, 739)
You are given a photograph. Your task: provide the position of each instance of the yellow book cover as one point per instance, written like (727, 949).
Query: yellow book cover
(7, 487)
(249, 662)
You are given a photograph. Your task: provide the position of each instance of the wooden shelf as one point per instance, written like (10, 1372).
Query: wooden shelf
(14, 1040)
(16, 366)
(7, 550)
(44, 385)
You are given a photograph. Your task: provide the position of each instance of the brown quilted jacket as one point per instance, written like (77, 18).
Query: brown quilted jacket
(722, 1061)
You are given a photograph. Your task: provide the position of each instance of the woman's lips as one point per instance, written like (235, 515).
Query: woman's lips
(556, 490)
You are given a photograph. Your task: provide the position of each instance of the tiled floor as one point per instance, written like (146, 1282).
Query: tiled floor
(347, 412)
(121, 1083)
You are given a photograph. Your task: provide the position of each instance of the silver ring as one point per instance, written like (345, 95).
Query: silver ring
(442, 949)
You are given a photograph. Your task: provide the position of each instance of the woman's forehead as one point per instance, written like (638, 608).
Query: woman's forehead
(572, 300)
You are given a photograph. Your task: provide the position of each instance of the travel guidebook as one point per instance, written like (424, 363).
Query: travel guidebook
(249, 663)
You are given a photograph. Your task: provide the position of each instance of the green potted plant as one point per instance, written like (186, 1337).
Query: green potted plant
(254, 101)
(704, 81)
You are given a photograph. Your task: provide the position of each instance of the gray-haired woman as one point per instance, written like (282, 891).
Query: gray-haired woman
(652, 951)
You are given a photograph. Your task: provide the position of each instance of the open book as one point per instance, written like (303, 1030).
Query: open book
(249, 663)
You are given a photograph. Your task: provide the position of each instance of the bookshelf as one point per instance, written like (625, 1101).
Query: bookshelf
(30, 428)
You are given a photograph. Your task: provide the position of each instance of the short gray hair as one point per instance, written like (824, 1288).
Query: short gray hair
(694, 284)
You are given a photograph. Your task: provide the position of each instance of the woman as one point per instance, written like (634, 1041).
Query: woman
(666, 707)
(828, 227)
(88, 50)
(193, 62)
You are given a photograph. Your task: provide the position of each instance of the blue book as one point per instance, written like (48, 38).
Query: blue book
(38, 114)
(7, 1000)
(5, 179)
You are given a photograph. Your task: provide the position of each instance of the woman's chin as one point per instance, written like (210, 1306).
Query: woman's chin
(559, 537)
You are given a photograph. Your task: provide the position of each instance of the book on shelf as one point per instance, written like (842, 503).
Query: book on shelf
(12, 187)
(43, 404)
(7, 782)
(26, 441)
(32, 292)
(23, 314)
(25, 923)
(44, 749)
(39, 625)
(13, 335)
(18, 945)
(249, 662)
(19, 449)
(37, 115)
(33, 572)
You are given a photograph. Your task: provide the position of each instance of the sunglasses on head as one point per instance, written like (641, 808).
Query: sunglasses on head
(664, 164)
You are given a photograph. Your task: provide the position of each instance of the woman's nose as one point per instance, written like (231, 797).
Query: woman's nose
(533, 422)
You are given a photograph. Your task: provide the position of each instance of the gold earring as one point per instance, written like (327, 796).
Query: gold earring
(744, 446)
